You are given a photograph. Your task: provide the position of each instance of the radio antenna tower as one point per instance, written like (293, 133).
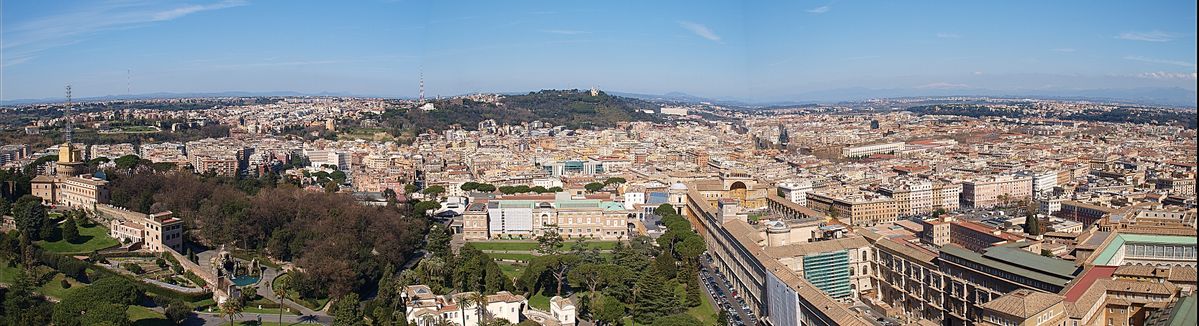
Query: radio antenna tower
(128, 82)
(66, 115)
(422, 88)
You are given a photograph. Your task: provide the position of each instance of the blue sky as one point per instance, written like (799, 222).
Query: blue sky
(763, 50)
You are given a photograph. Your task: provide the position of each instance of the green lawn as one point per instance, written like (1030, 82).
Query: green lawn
(511, 270)
(94, 237)
(520, 257)
(142, 316)
(705, 312)
(8, 274)
(54, 288)
(540, 301)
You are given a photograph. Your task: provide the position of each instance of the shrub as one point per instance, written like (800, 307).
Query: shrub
(132, 267)
(65, 284)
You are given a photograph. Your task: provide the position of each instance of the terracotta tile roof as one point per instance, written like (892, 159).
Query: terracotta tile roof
(1023, 303)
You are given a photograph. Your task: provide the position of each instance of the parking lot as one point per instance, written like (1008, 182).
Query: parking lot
(725, 298)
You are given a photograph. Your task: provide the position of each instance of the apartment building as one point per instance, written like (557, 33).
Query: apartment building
(990, 191)
(946, 196)
(912, 196)
(857, 207)
(796, 192)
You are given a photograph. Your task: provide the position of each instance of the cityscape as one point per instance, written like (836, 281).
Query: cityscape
(467, 163)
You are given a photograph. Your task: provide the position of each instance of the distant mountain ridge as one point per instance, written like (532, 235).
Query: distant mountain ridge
(1154, 96)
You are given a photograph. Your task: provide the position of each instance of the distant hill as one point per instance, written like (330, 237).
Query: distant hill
(571, 108)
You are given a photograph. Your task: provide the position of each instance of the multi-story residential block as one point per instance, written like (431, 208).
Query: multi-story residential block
(989, 191)
(912, 196)
(857, 207)
(796, 192)
(946, 196)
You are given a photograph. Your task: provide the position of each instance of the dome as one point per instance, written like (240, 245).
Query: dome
(777, 227)
(678, 186)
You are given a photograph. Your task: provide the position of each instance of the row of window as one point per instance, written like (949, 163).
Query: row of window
(1159, 251)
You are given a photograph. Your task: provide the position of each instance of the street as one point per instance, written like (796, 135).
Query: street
(718, 290)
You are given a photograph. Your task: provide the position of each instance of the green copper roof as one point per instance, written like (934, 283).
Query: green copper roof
(1106, 255)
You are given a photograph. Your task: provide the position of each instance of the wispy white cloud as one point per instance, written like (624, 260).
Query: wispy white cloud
(187, 10)
(1167, 75)
(1161, 61)
(700, 30)
(820, 9)
(565, 32)
(948, 35)
(1067, 50)
(25, 40)
(1151, 36)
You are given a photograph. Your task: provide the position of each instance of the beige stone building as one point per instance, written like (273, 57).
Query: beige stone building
(526, 217)
(990, 191)
(855, 207)
(70, 186)
(154, 232)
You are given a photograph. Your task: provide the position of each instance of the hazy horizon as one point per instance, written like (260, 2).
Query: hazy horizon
(763, 51)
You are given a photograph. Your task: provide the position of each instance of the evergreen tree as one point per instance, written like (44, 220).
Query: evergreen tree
(1032, 225)
(665, 265)
(69, 231)
(30, 216)
(691, 281)
(608, 311)
(654, 299)
(346, 311)
(21, 306)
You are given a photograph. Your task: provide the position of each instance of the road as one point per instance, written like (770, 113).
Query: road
(204, 318)
(722, 286)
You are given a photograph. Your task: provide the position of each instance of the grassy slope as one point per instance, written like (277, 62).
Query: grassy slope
(95, 237)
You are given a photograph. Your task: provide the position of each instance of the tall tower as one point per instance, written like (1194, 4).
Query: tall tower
(422, 88)
(784, 137)
(66, 115)
(68, 157)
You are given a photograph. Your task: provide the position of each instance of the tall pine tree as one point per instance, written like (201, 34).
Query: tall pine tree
(655, 298)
